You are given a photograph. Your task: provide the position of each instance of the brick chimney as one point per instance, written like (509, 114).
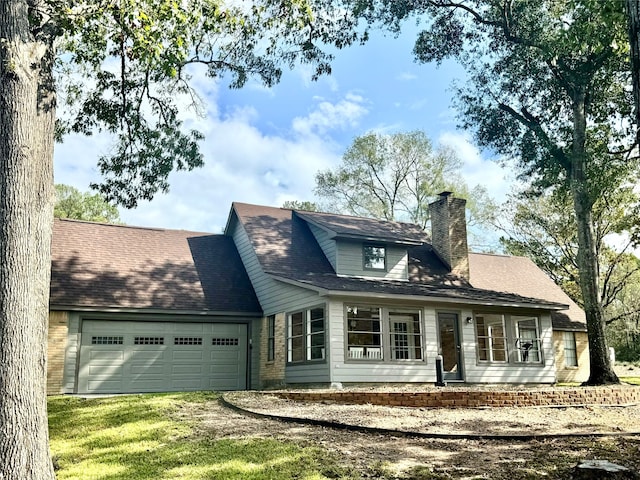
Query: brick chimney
(449, 232)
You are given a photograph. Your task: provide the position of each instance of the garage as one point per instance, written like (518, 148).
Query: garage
(146, 356)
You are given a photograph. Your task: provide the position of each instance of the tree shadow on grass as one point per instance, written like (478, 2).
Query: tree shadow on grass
(135, 437)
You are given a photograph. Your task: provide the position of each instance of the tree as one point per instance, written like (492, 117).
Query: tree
(543, 228)
(548, 86)
(633, 18)
(122, 67)
(394, 177)
(301, 205)
(71, 203)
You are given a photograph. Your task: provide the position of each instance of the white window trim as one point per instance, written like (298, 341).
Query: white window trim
(383, 352)
(306, 336)
(364, 257)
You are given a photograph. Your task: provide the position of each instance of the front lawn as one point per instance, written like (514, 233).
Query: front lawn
(138, 437)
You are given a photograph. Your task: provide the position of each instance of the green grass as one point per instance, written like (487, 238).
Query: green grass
(631, 380)
(137, 437)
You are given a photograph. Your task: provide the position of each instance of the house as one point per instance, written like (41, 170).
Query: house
(297, 298)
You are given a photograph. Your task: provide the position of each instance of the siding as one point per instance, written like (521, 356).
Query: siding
(276, 298)
(349, 262)
(327, 244)
(482, 372)
(473, 371)
(351, 372)
(71, 354)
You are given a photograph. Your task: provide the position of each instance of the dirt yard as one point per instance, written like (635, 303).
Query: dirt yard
(385, 456)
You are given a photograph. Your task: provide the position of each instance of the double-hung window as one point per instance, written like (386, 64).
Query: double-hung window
(570, 350)
(527, 341)
(271, 338)
(376, 334)
(503, 338)
(490, 335)
(306, 335)
(374, 257)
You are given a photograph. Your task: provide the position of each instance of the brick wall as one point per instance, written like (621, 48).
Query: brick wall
(449, 232)
(272, 372)
(460, 397)
(572, 374)
(57, 338)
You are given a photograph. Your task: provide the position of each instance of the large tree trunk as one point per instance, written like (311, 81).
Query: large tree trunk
(601, 371)
(27, 116)
(633, 16)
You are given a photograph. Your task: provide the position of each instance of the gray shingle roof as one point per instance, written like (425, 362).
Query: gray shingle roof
(344, 226)
(282, 242)
(521, 276)
(287, 249)
(97, 265)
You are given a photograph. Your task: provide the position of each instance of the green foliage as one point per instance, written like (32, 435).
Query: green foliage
(141, 437)
(549, 87)
(394, 177)
(71, 203)
(544, 229)
(126, 68)
(301, 205)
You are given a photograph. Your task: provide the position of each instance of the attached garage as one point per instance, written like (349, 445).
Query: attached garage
(131, 357)
(148, 310)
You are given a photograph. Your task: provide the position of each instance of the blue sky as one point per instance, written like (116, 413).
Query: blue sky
(265, 146)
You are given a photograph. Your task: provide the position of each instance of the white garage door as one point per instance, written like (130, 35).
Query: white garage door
(129, 357)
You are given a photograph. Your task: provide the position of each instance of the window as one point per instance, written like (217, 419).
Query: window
(406, 340)
(527, 341)
(107, 340)
(271, 338)
(375, 334)
(364, 333)
(148, 341)
(490, 334)
(224, 342)
(508, 338)
(570, 350)
(374, 257)
(187, 341)
(306, 335)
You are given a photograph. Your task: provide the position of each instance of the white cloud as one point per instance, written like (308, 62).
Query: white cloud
(329, 116)
(241, 164)
(407, 77)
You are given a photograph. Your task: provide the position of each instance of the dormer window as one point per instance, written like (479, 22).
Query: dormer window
(374, 257)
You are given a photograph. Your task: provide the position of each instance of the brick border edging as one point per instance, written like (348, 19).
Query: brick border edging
(466, 398)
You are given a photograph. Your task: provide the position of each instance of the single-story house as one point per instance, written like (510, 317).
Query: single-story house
(296, 298)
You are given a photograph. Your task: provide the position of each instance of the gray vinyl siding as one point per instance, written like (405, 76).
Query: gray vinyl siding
(278, 297)
(327, 244)
(274, 296)
(384, 372)
(71, 354)
(350, 262)
(473, 371)
(483, 372)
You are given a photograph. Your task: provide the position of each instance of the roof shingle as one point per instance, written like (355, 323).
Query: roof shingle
(286, 248)
(99, 265)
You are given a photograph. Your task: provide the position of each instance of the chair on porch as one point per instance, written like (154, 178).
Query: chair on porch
(374, 352)
(356, 352)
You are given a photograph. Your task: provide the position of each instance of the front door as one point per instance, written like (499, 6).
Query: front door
(449, 338)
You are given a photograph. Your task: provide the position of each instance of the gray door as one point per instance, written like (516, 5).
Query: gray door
(449, 345)
(128, 357)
